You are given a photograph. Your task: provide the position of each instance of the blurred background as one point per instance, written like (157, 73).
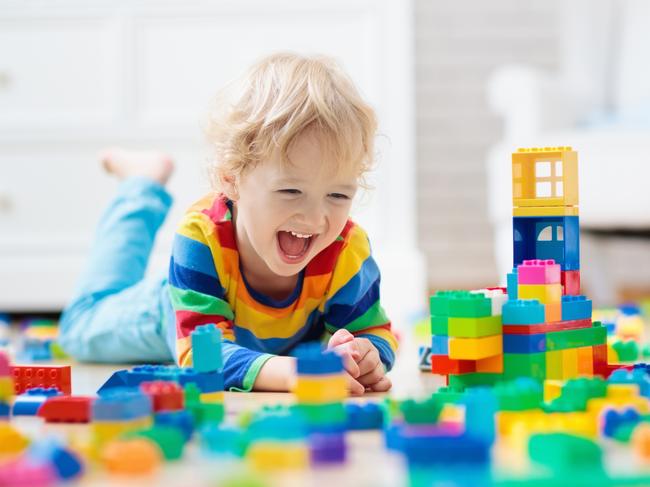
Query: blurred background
(457, 86)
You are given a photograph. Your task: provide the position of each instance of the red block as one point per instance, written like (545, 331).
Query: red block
(165, 396)
(28, 376)
(66, 409)
(570, 282)
(443, 365)
(601, 367)
(546, 327)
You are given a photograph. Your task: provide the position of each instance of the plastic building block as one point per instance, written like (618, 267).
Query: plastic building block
(570, 282)
(165, 396)
(544, 293)
(443, 365)
(497, 295)
(613, 420)
(322, 414)
(321, 388)
(133, 456)
(169, 439)
(277, 455)
(439, 302)
(439, 325)
(117, 379)
(439, 345)
(182, 420)
(585, 361)
(491, 365)
(563, 452)
(223, 440)
(6, 388)
(5, 409)
(470, 306)
(313, 360)
(626, 351)
(523, 312)
(5, 367)
(539, 272)
(524, 365)
(474, 327)
(121, 404)
(546, 327)
(475, 379)
(23, 472)
(542, 211)
(512, 280)
(424, 354)
(570, 363)
(11, 440)
(524, 343)
(27, 377)
(327, 448)
(519, 395)
(369, 416)
(207, 382)
(581, 337)
(576, 308)
(641, 442)
(66, 409)
(475, 348)
(545, 176)
(562, 243)
(28, 402)
(206, 348)
(421, 412)
(66, 464)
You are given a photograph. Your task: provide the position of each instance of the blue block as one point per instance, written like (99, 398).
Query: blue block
(560, 240)
(638, 375)
(481, 405)
(424, 354)
(223, 440)
(205, 381)
(27, 404)
(576, 308)
(449, 450)
(206, 348)
(4, 410)
(121, 404)
(67, 464)
(614, 419)
(524, 343)
(181, 420)
(513, 284)
(364, 416)
(313, 360)
(118, 379)
(439, 345)
(522, 312)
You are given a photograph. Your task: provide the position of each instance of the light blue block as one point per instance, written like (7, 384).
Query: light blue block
(576, 308)
(512, 284)
(206, 348)
(440, 345)
(522, 312)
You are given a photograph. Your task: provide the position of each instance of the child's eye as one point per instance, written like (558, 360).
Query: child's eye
(289, 191)
(339, 196)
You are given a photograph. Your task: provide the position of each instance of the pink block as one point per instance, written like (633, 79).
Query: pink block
(539, 272)
(5, 368)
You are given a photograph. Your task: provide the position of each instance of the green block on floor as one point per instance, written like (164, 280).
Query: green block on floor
(562, 452)
(524, 365)
(439, 302)
(474, 379)
(439, 325)
(474, 327)
(519, 395)
(583, 337)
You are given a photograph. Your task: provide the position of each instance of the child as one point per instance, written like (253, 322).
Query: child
(271, 256)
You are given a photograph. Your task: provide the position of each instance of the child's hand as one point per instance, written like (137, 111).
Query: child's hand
(368, 371)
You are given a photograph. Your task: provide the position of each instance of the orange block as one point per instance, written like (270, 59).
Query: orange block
(136, 456)
(586, 361)
(492, 365)
(552, 312)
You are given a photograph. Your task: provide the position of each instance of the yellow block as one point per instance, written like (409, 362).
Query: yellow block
(475, 348)
(586, 361)
(212, 397)
(554, 365)
(527, 423)
(6, 388)
(552, 389)
(320, 389)
(612, 354)
(104, 431)
(491, 365)
(544, 293)
(544, 210)
(451, 413)
(569, 363)
(11, 440)
(270, 455)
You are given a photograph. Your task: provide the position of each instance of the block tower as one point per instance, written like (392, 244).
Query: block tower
(544, 329)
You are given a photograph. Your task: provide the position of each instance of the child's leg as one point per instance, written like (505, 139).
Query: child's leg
(116, 314)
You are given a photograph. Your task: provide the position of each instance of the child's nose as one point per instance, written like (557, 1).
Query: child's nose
(313, 215)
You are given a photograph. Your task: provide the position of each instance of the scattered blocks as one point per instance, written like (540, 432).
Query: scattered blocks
(66, 409)
(27, 377)
(28, 403)
(165, 396)
(206, 348)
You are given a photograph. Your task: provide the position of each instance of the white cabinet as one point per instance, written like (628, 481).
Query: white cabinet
(79, 76)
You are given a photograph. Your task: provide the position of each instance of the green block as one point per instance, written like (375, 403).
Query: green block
(624, 432)
(519, 395)
(421, 412)
(317, 414)
(474, 379)
(470, 306)
(208, 413)
(448, 394)
(576, 393)
(439, 325)
(562, 452)
(169, 439)
(439, 302)
(474, 327)
(627, 351)
(524, 365)
(583, 337)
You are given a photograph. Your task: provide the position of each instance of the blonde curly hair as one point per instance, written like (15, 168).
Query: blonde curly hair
(282, 96)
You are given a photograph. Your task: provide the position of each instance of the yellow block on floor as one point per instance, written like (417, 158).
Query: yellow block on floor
(475, 348)
(271, 455)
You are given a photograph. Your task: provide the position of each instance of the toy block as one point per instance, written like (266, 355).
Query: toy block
(491, 365)
(520, 394)
(524, 365)
(538, 271)
(475, 348)
(439, 345)
(312, 359)
(131, 457)
(105, 431)
(369, 416)
(66, 409)
(470, 306)
(576, 308)
(570, 282)
(582, 337)
(28, 403)
(523, 312)
(554, 363)
(424, 357)
(545, 177)
(570, 363)
(275, 455)
(443, 365)
(5, 366)
(552, 389)
(524, 343)
(544, 293)
(321, 388)
(626, 351)
(439, 302)
(439, 325)
(547, 237)
(207, 382)
(474, 327)
(524, 211)
(586, 361)
(512, 282)
(565, 454)
(322, 414)
(121, 404)
(475, 379)
(206, 348)
(169, 439)
(181, 420)
(546, 327)
(425, 411)
(165, 396)
(553, 312)
(11, 440)
(223, 440)
(27, 377)
(66, 463)
(600, 359)
(6, 388)
(498, 296)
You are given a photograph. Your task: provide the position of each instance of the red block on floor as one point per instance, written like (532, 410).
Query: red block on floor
(570, 282)
(66, 409)
(28, 376)
(165, 396)
(443, 365)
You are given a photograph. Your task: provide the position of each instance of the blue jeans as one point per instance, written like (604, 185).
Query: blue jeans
(116, 314)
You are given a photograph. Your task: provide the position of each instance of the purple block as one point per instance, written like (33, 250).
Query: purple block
(327, 448)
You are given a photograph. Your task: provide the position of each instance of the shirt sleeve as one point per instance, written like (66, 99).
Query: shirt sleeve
(353, 301)
(198, 297)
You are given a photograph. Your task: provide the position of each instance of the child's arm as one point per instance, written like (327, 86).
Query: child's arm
(198, 298)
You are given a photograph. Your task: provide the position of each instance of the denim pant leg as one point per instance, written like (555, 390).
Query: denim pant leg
(116, 314)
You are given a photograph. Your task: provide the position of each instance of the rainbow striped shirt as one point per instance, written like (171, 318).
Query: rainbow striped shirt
(339, 288)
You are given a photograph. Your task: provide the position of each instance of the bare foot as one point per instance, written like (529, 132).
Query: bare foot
(127, 163)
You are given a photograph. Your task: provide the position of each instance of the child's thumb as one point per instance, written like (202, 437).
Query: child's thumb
(340, 337)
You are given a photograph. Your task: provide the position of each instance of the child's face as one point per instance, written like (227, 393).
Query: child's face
(287, 213)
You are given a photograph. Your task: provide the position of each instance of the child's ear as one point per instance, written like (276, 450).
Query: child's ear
(229, 186)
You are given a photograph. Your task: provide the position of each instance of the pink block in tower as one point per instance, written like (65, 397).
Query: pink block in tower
(539, 272)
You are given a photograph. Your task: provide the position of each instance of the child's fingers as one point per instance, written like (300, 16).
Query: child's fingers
(349, 363)
(369, 362)
(383, 385)
(350, 348)
(374, 376)
(340, 337)
(355, 388)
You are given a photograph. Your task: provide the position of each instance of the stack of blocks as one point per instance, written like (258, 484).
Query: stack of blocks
(320, 390)
(544, 329)
(6, 386)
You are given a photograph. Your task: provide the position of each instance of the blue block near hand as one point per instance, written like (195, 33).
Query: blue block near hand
(206, 348)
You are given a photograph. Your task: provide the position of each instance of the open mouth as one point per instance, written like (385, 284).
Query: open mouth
(294, 246)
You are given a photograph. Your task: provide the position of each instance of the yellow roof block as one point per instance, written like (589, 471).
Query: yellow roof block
(546, 211)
